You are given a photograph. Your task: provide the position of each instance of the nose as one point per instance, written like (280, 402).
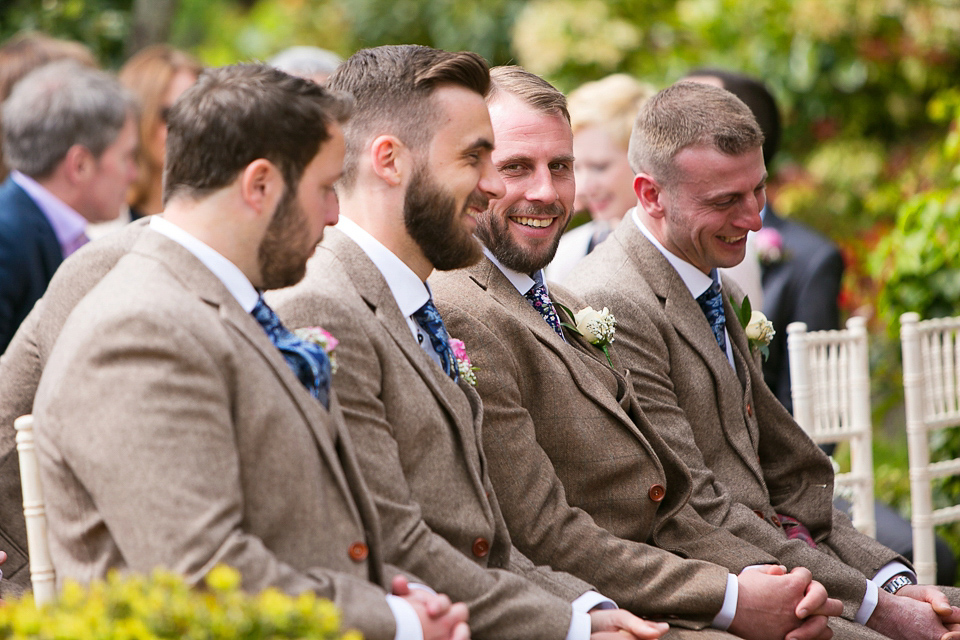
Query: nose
(541, 187)
(332, 209)
(491, 184)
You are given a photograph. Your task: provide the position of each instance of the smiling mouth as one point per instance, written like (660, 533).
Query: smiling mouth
(732, 239)
(536, 223)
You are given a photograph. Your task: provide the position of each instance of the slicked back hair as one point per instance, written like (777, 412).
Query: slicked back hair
(237, 114)
(393, 87)
(530, 88)
(689, 114)
(59, 105)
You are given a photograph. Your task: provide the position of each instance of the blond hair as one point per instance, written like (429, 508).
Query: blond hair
(611, 103)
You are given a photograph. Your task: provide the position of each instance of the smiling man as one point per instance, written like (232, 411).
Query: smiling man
(696, 150)
(416, 175)
(585, 482)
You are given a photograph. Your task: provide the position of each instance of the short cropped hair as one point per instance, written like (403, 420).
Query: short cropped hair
(530, 88)
(57, 106)
(757, 96)
(393, 87)
(237, 114)
(689, 114)
(611, 103)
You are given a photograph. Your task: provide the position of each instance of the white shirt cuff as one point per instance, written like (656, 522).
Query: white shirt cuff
(580, 623)
(891, 569)
(421, 587)
(870, 600)
(408, 623)
(724, 619)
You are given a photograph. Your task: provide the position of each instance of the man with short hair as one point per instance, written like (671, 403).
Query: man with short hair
(69, 135)
(701, 184)
(179, 424)
(584, 481)
(417, 173)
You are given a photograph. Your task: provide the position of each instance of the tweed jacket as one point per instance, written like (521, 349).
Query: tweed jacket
(802, 287)
(724, 421)
(29, 255)
(20, 369)
(172, 432)
(418, 438)
(585, 483)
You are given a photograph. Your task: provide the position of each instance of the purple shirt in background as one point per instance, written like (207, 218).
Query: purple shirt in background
(68, 225)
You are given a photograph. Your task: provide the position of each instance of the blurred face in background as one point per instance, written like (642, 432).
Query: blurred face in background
(604, 177)
(157, 143)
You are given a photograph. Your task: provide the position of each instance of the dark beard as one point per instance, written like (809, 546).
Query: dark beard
(281, 262)
(494, 234)
(431, 219)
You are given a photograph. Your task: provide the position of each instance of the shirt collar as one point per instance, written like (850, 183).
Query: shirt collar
(68, 225)
(697, 281)
(521, 281)
(407, 288)
(228, 273)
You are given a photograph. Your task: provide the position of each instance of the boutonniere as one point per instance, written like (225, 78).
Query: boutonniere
(759, 330)
(464, 366)
(322, 337)
(769, 245)
(597, 327)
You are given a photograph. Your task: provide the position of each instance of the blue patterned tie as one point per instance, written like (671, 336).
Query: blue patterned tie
(308, 361)
(540, 299)
(430, 321)
(711, 301)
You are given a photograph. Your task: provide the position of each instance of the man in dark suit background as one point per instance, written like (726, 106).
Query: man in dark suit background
(69, 135)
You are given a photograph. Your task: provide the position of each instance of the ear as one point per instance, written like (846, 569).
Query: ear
(650, 195)
(261, 186)
(79, 164)
(390, 159)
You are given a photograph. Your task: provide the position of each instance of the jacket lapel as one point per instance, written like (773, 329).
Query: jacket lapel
(197, 278)
(688, 319)
(376, 293)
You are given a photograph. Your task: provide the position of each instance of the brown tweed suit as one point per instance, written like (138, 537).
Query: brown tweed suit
(725, 425)
(582, 487)
(158, 360)
(418, 439)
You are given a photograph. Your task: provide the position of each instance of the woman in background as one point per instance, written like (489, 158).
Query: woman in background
(602, 115)
(157, 75)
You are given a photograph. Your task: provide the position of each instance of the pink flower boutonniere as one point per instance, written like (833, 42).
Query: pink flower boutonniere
(464, 366)
(769, 245)
(322, 337)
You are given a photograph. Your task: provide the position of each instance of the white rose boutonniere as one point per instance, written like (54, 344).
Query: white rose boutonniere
(322, 337)
(597, 327)
(464, 366)
(759, 330)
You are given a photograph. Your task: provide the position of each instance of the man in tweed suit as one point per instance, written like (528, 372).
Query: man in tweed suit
(584, 481)
(417, 172)
(701, 185)
(171, 430)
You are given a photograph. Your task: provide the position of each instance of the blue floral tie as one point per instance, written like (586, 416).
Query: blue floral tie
(711, 301)
(540, 299)
(430, 321)
(308, 361)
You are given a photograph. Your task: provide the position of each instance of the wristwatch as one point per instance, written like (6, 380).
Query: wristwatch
(893, 584)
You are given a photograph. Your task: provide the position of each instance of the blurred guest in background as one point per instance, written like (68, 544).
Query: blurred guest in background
(69, 136)
(602, 115)
(156, 76)
(26, 51)
(312, 63)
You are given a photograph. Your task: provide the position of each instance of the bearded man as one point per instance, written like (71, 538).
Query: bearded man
(417, 173)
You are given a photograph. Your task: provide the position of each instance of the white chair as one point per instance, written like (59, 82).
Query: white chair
(35, 513)
(830, 387)
(931, 386)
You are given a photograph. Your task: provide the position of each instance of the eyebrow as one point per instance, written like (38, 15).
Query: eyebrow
(480, 143)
